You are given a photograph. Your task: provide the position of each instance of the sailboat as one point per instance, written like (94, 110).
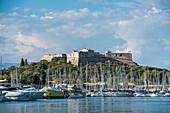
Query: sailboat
(53, 92)
(162, 92)
(78, 92)
(106, 92)
(123, 93)
(168, 91)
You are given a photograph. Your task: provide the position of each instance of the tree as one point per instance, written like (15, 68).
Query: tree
(22, 62)
(25, 63)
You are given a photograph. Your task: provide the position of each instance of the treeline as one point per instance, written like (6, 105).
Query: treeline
(36, 73)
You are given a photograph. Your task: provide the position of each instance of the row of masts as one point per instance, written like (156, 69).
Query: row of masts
(95, 79)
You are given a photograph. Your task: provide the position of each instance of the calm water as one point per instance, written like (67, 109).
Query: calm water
(90, 104)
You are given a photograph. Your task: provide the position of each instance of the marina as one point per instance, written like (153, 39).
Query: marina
(84, 56)
(103, 80)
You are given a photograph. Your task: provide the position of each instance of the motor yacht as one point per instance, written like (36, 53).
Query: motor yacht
(19, 94)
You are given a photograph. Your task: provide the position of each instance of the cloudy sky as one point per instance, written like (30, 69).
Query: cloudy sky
(59, 26)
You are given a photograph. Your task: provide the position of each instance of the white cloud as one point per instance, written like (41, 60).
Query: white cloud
(154, 10)
(27, 9)
(13, 14)
(32, 40)
(166, 62)
(46, 17)
(23, 49)
(2, 26)
(34, 16)
(166, 43)
(84, 10)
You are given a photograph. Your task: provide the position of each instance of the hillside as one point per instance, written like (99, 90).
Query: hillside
(35, 73)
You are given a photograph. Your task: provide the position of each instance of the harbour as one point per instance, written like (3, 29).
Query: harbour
(90, 104)
(84, 56)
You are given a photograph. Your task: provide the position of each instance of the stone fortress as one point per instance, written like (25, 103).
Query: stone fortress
(89, 55)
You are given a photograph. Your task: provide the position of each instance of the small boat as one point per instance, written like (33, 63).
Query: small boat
(124, 94)
(107, 94)
(53, 93)
(153, 95)
(167, 94)
(161, 94)
(94, 94)
(88, 94)
(146, 95)
(137, 94)
(75, 91)
(74, 96)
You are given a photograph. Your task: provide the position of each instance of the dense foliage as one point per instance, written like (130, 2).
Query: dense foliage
(36, 73)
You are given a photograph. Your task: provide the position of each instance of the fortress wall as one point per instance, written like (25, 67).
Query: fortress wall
(49, 57)
(84, 60)
(88, 55)
(125, 56)
(127, 62)
(73, 58)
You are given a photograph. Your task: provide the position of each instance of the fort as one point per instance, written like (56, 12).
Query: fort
(88, 55)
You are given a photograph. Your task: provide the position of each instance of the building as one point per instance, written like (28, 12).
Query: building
(88, 55)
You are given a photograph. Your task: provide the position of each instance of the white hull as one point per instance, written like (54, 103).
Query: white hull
(107, 94)
(167, 94)
(153, 95)
(77, 96)
(124, 94)
(94, 94)
(114, 94)
(146, 95)
(139, 95)
(21, 95)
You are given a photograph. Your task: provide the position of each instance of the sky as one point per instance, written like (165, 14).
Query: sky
(30, 28)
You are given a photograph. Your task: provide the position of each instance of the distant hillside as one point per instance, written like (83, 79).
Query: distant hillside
(7, 65)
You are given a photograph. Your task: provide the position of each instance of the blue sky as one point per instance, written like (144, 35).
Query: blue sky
(59, 26)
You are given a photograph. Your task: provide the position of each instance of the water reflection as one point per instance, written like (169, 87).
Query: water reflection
(91, 104)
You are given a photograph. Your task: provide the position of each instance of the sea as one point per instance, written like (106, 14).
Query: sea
(90, 105)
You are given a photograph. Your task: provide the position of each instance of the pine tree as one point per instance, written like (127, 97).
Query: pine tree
(22, 62)
(25, 63)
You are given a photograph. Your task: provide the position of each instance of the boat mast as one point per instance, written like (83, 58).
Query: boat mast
(162, 87)
(139, 81)
(69, 76)
(94, 78)
(145, 80)
(120, 74)
(158, 81)
(113, 79)
(101, 74)
(48, 78)
(131, 74)
(148, 79)
(60, 81)
(81, 76)
(16, 77)
(12, 79)
(86, 74)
